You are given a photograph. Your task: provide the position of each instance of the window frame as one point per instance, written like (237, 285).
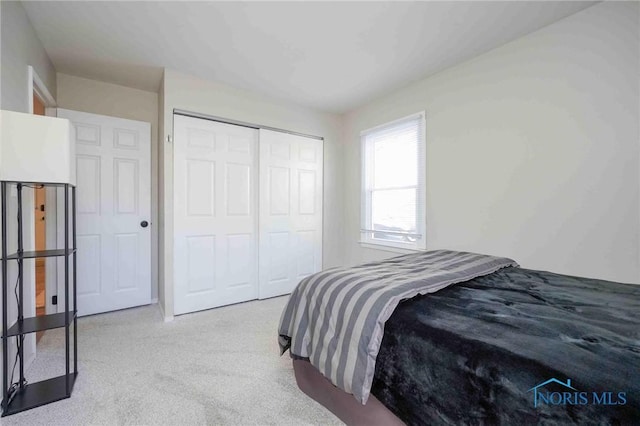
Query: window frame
(366, 173)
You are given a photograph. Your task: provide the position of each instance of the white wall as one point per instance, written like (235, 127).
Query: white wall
(532, 149)
(184, 92)
(19, 48)
(81, 94)
(161, 204)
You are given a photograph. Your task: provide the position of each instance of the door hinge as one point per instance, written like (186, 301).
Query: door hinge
(54, 300)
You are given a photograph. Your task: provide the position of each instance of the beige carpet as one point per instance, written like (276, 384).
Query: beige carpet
(215, 367)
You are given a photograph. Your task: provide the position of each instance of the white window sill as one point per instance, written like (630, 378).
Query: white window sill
(389, 248)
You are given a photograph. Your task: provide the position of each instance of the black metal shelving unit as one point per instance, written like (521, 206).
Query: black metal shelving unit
(21, 395)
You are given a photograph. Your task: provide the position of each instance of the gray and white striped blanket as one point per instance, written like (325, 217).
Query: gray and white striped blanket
(336, 317)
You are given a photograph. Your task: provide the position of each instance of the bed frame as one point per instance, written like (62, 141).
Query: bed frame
(343, 405)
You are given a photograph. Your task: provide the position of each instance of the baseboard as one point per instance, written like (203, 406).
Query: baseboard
(163, 315)
(29, 360)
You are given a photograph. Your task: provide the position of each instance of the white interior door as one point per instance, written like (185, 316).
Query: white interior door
(113, 200)
(290, 210)
(215, 243)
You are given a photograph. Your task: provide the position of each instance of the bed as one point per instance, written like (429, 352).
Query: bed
(509, 346)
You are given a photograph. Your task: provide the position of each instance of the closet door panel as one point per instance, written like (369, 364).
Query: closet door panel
(215, 241)
(290, 211)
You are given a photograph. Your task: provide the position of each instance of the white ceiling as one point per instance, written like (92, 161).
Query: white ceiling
(329, 56)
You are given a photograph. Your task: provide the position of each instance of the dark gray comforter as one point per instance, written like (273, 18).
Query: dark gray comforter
(335, 317)
(471, 353)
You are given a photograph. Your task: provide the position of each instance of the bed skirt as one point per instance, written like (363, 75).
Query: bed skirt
(343, 405)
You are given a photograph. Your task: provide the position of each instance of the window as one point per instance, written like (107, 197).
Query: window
(393, 184)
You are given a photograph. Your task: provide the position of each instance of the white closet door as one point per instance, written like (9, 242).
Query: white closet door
(290, 210)
(215, 214)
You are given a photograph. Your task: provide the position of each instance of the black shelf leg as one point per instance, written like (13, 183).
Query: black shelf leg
(5, 346)
(20, 339)
(75, 262)
(66, 286)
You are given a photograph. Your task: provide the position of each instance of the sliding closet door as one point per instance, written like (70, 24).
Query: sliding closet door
(290, 210)
(215, 214)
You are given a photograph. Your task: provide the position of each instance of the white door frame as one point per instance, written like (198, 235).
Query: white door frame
(37, 86)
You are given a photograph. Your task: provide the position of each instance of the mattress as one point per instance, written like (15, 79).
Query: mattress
(516, 346)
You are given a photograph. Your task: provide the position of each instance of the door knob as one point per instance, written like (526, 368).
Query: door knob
(144, 223)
